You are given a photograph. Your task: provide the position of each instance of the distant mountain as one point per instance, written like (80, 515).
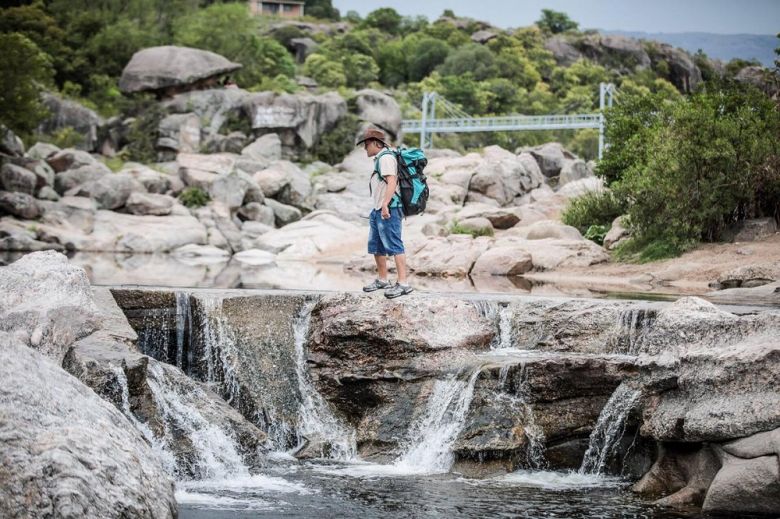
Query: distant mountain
(717, 46)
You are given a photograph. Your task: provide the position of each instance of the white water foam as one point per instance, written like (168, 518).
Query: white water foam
(220, 347)
(551, 480)
(502, 319)
(183, 327)
(216, 502)
(609, 429)
(316, 420)
(216, 453)
(432, 436)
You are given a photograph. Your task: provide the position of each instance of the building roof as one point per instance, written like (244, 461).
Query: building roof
(299, 2)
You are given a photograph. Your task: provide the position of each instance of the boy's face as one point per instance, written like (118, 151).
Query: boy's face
(372, 147)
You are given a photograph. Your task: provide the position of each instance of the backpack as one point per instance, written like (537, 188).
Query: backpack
(412, 181)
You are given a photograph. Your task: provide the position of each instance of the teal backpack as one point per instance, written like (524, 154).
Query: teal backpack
(411, 179)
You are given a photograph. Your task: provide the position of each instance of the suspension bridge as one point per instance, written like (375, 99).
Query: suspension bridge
(455, 120)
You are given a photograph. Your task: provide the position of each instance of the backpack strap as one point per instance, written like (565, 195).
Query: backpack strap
(396, 200)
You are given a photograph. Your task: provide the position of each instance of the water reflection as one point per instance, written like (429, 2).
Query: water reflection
(225, 272)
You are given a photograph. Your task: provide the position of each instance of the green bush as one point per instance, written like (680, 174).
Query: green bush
(335, 144)
(194, 196)
(596, 233)
(456, 228)
(693, 167)
(593, 209)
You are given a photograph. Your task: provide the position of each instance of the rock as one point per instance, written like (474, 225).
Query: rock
(42, 150)
(74, 178)
(275, 177)
(749, 276)
(502, 261)
(302, 47)
(47, 193)
(267, 148)
(298, 119)
(564, 52)
(615, 51)
(10, 143)
(257, 212)
(149, 204)
(503, 177)
(583, 186)
(745, 486)
(216, 108)
(616, 234)
(64, 447)
(322, 235)
(255, 257)
(760, 444)
(549, 229)
(283, 214)
(683, 72)
(216, 163)
(17, 179)
(21, 205)
(499, 218)
(297, 192)
(483, 37)
(233, 142)
(451, 256)
(573, 170)
(434, 229)
(159, 68)
(550, 158)
(66, 113)
(478, 225)
(380, 110)
(179, 133)
(48, 299)
(756, 229)
(551, 253)
(152, 180)
(109, 191)
(44, 174)
(70, 158)
(201, 254)
(234, 188)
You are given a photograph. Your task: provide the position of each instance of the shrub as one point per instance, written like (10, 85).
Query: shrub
(194, 196)
(456, 228)
(596, 233)
(593, 209)
(335, 144)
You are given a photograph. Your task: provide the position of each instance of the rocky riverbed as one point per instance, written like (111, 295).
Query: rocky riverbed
(680, 398)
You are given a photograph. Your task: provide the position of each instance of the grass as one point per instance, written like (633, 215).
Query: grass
(456, 228)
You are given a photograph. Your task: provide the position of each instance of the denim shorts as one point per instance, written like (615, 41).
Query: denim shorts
(384, 236)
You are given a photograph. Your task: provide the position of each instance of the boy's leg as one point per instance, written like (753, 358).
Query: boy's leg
(381, 266)
(400, 266)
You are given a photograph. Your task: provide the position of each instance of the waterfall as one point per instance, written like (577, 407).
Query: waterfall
(183, 331)
(215, 452)
(609, 429)
(633, 324)
(220, 349)
(533, 433)
(501, 316)
(432, 435)
(154, 335)
(316, 421)
(166, 457)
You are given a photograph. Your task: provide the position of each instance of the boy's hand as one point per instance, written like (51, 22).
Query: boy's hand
(385, 212)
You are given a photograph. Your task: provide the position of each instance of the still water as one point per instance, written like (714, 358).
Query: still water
(363, 490)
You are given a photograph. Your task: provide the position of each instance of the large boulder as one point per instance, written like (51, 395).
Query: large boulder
(235, 189)
(20, 205)
(149, 204)
(217, 108)
(109, 191)
(46, 302)
(159, 68)
(42, 150)
(615, 51)
(178, 133)
(66, 113)
(321, 235)
(67, 452)
(152, 180)
(379, 110)
(70, 158)
(502, 261)
(683, 72)
(17, 179)
(200, 170)
(550, 157)
(572, 170)
(745, 486)
(10, 143)
(267, 148)
(563, 51)
(85, 174)
(503, 177)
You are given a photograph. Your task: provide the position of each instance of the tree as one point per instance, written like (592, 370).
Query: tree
(321, 9)
(472, 59)
(555, 22)
(386, 19)
(26, 71)
(324, 71)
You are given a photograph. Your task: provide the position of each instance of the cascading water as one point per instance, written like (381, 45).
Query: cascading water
(316, 421)
(633, 324)
(183, 331)
(609, 430)
(220, 350)
(535, 435)
(501, 315)
(215, 453)
(432, 436)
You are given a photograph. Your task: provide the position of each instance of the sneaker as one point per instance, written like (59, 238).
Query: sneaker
(398, 290)
(377, 284)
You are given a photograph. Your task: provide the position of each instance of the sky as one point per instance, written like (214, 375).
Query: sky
(714, 16)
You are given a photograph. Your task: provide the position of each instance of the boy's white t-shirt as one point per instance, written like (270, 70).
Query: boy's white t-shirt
(387, 167)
